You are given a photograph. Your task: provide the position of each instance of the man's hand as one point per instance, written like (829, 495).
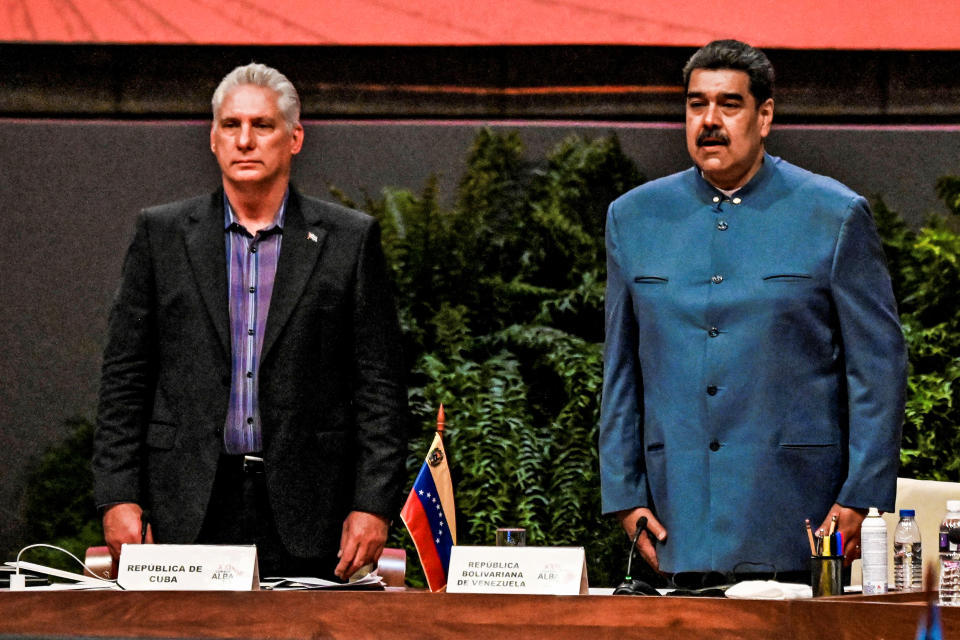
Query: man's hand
(122, 524)
(628, 519)
(848, 523)
(361, 542)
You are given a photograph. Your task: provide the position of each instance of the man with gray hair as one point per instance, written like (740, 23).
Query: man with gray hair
(252, 388)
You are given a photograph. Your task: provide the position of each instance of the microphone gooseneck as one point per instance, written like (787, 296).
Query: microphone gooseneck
(629, 586)
(641, 526)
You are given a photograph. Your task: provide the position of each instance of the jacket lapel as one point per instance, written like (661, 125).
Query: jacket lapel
(303, 238)
(206, 252)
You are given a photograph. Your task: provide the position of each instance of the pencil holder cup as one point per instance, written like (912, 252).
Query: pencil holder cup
(825, 575)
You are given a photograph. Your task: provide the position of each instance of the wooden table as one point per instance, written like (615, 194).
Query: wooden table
(423, 615)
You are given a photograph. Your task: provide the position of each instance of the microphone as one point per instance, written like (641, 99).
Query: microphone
(144, 523)
(629, 586)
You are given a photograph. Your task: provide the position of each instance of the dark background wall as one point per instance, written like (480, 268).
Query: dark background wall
(91, 134)
(69, 191)
(580, 82)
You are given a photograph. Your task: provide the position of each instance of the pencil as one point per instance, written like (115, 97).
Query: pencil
(813, 546)
(833, 524)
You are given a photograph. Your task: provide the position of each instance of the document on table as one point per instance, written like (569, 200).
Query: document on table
(370, 581)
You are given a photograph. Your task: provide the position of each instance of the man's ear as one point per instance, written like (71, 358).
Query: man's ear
(765, 115)
(297, 139)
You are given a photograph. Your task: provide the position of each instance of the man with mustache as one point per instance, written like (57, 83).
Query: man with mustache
(755, 368)
(252, 387)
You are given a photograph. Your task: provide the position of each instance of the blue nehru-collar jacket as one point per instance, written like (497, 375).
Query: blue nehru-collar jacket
(754, 364)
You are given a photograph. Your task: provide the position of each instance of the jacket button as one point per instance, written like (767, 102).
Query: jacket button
(712, 390)
(722, 225)
(714, 446)
(717, 279)
(714, 332)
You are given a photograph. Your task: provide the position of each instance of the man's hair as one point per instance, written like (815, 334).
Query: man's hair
(733, 54)
(260, 75)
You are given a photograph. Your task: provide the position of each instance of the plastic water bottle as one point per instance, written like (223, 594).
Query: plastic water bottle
(950, 556)
(873, 546)
(907, 558)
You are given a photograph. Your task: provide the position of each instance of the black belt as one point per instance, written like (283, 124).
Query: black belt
(252, 464)
(248, 463)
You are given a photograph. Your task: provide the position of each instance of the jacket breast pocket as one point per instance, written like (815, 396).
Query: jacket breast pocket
(793, 297)
(786, 278)
(813, 446)
(653, 287)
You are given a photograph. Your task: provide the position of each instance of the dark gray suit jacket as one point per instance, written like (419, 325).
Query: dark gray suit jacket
(332, 401)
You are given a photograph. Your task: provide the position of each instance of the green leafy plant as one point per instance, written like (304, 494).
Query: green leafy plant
(501, 299)
(58, 506)
(925, 268)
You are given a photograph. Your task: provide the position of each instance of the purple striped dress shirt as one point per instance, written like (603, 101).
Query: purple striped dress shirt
(251, 268)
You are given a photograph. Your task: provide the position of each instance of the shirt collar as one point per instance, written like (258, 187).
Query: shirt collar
(708, 192)
(230, 217)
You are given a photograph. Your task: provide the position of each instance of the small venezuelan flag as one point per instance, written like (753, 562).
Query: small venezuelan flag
(429, 515)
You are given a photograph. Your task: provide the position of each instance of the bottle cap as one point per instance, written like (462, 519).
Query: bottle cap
(875, 513)
(907, 513)
(953, 505)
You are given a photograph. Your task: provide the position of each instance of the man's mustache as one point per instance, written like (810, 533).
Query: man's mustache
(712, 136)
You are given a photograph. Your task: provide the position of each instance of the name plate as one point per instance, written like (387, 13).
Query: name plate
(188, 567)
(537, 570)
